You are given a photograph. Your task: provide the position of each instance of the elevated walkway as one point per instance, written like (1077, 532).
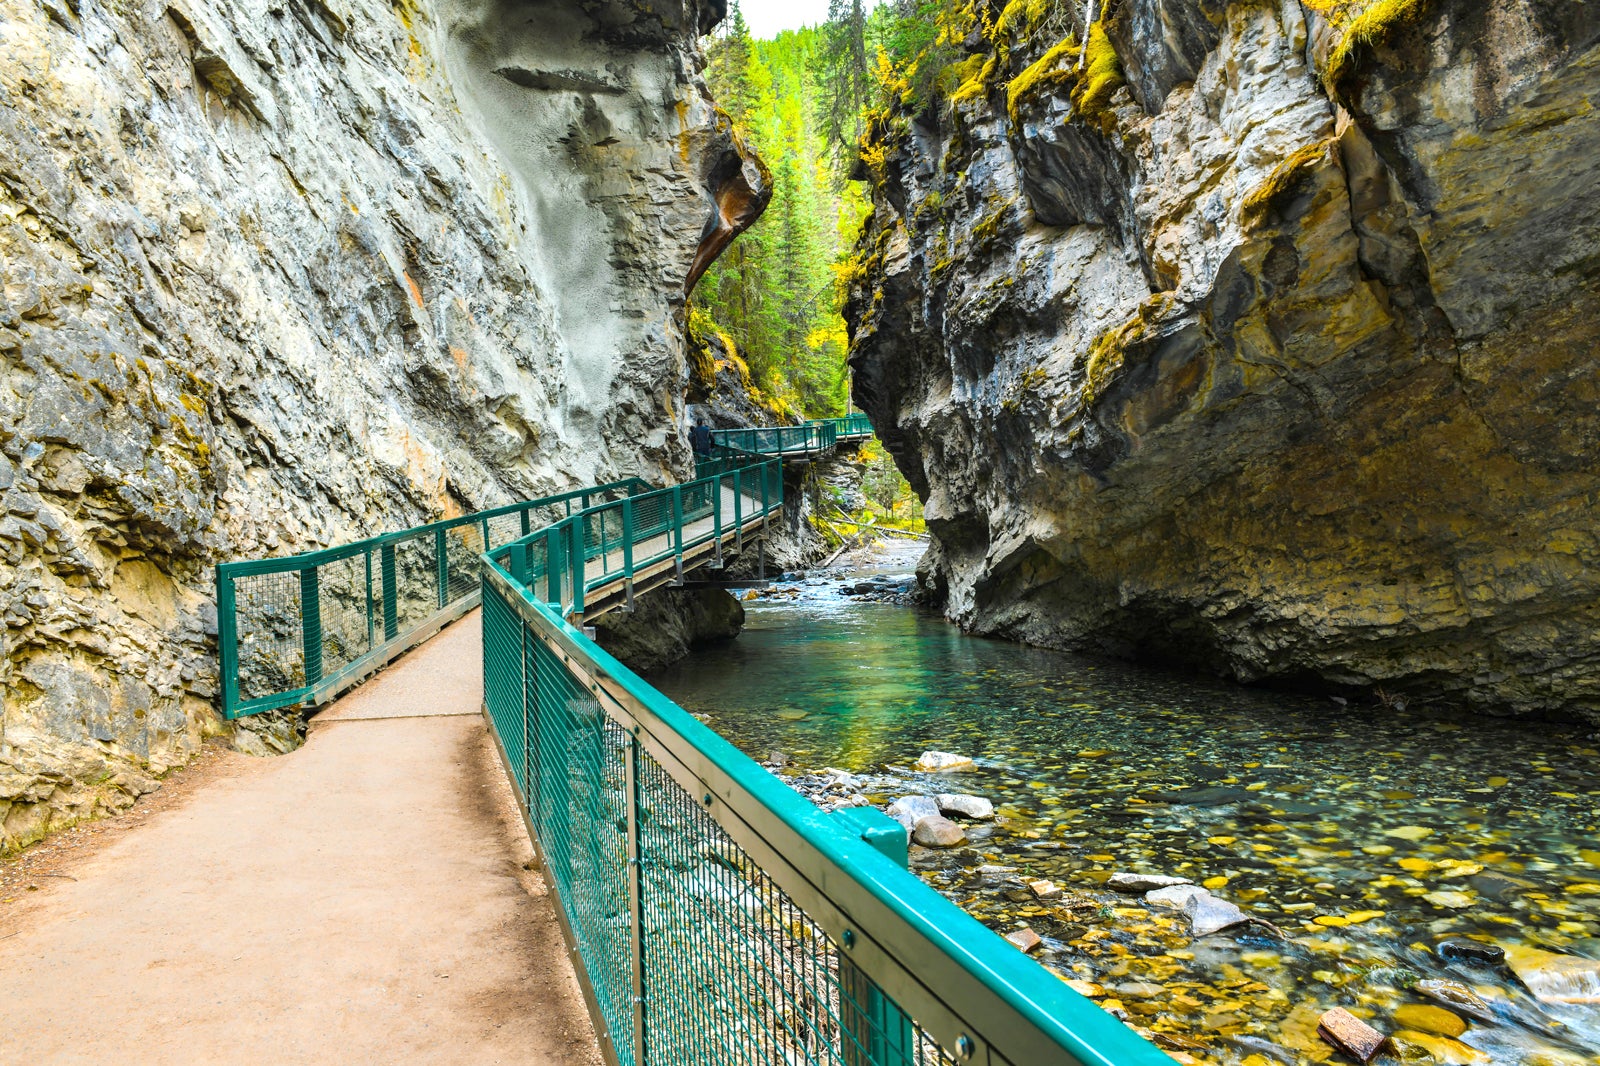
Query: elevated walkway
(713, 914)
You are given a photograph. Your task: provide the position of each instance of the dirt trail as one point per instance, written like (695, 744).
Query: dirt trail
(364, 899)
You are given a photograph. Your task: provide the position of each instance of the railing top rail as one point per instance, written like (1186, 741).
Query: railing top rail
(320, 556)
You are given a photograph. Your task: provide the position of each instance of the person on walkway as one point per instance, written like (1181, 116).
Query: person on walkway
(700, 438)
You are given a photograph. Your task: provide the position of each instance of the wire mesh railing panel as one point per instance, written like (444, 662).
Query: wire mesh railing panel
(579, 809)
(271, 653)
(734, 971)
(505, 528)
(416, 564)
(464, 548)
(344, 606)
(503, 682)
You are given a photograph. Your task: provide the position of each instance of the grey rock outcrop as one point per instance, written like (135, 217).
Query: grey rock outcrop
(668, 624)
(1276, 360)
(277, 276)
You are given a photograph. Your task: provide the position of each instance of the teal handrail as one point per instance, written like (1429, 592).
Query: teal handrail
(714, 914)
(304, 627)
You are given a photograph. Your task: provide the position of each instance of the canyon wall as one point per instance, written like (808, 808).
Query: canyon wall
(1257, 336)
(275, 274)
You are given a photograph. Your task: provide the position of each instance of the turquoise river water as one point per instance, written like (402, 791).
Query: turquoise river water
(1365, 836)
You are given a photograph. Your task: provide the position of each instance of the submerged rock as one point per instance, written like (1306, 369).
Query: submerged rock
(1429, 1019)
(939, 762)
(1476, 952)
(1208, 914)
(1456, 996)
(1135, 883)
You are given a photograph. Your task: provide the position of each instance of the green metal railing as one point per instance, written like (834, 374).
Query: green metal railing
(715, 915)
(805, 441)
(851, 427)
(303, 628)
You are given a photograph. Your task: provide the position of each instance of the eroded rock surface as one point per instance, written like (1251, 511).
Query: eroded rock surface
(1226, 367)
(274, 276)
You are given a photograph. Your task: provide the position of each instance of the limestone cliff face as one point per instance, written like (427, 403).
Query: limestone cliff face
(1265, 345)
(276, 275)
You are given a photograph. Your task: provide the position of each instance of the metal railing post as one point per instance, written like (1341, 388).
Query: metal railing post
(738, 507)
(228, 641)
(553, 549)
(311, 626)
(576, 554)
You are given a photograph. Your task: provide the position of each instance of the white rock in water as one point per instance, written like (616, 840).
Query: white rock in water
(1127, 882)
(937, 832)
(1175, 896)
(964, 805)
(1208, 914)
(909, 810)
(939, 762)
(1555, 978)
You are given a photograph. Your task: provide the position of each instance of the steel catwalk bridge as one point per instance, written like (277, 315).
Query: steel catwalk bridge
(714, 916)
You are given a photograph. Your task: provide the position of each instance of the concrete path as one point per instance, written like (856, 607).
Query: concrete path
(362, 900)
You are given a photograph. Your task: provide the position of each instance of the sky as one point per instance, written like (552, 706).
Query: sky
(768, 18)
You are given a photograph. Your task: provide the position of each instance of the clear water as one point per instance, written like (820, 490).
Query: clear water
(1365, 835)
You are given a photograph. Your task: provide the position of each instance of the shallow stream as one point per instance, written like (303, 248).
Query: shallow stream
(1365, 836)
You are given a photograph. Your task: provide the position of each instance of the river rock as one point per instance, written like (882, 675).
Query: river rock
(1429, 1019)
(1045, 890)
(1208, 914)
(1465, 949)
(940, 762)
(1349, 1034)
(1450, 899)
(1136, 883)
(1025, 939)
(1456, 996)
(909, 810)
(1174, 896)
(938, 832)
(975, 807)
(1554, 978)
(1428, 1047)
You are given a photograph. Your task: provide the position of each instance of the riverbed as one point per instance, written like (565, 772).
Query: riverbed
(1366, 839)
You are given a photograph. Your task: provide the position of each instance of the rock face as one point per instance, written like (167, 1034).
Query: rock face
(273, 276)
(1277, 359)
(668, 624)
